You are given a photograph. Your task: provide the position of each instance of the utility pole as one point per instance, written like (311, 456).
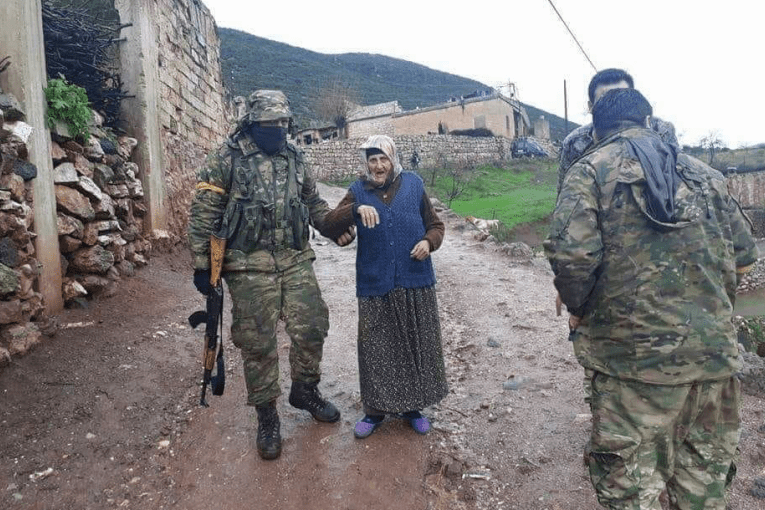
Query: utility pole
(565, 107)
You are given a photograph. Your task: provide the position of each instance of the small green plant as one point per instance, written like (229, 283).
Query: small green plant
(68, 103)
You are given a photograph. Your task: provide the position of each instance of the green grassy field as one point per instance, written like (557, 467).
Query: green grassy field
(522, 192)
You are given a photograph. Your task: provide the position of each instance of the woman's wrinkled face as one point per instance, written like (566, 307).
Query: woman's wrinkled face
(380, 168)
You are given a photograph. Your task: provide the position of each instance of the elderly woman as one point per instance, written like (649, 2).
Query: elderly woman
(401, 364)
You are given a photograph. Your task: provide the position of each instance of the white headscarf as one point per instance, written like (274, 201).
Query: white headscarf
(388, 147)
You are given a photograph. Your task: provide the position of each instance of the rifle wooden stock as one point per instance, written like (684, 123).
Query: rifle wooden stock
(217, 250)
(212, 351)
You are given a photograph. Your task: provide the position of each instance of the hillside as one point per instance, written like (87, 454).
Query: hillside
(249, 62)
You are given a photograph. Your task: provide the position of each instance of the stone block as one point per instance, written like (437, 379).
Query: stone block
(89, 188)
(103, 175)
(20, 338)
(73, 289)
(92, 260)
(24, 169)
(90, 235)
(58, 154)
(135, 188)
(74, 203)
(65, 173)
(94, 284)
(10, 312)
(27, 277)
(105, 208)
(93, 150)
(11, 108)
(69, 244)
(9, 281)
(125, 146)
(9, 255)
(69, 226)
(33, 307)
(20, 130)
(15, 184)
(83, 165)
(118, 190)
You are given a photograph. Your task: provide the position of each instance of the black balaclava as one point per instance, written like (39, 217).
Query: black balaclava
(270, 139)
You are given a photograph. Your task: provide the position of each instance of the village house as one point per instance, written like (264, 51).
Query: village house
(315, 132)
(502, 115)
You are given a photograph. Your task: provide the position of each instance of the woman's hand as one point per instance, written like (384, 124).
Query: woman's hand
(369, 216)
(421, 250)
(347, 237)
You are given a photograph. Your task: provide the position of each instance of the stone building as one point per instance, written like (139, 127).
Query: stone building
(503, 116)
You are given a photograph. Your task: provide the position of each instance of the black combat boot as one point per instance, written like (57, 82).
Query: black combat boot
(269, 440)
(306, 396)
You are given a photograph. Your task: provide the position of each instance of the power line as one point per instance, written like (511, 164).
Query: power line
(573, 36)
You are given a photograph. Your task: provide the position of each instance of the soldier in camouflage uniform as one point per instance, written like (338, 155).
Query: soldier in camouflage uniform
(257, 193)
(580, 140)
(647, 248)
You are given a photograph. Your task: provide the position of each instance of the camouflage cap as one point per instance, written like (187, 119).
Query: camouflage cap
(267, 105)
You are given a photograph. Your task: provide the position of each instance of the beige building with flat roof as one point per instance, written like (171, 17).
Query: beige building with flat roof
(502, 115)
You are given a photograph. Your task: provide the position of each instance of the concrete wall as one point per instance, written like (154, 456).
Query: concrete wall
(21, 38)
(749, 190)
(542, 128)
(342, 158)
(140, 114)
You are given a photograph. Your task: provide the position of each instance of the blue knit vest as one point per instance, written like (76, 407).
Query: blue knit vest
(382, 254)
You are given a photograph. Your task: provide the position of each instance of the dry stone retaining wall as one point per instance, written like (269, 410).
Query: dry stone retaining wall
(341, 158)
(100, 211)
(21, 306)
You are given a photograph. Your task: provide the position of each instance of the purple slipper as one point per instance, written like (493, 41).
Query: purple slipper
(419, 423)
(365, 426)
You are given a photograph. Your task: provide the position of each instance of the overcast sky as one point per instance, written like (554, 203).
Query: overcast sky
(699, 62)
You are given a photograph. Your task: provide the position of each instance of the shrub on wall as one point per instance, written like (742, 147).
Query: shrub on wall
(69, 104)
(478, 132)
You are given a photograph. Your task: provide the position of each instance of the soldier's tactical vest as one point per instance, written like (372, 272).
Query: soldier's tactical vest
(265, 210)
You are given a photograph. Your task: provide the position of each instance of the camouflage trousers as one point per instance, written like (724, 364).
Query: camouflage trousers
(647, 437)
(260, 299)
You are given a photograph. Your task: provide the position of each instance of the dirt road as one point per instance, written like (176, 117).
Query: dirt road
(105, 414)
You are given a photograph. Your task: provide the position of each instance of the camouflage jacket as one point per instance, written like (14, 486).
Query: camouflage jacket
(262, 205)
(576, 144)
(656, 300)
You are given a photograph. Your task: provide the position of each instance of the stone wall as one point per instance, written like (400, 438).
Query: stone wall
(341, 158)
(100, 211)
(192, 106)
(372, 126)
(21, 305)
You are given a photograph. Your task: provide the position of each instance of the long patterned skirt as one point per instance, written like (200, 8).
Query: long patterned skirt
(401, 361)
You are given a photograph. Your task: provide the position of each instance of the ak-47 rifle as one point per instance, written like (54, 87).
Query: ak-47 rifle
(213, 318)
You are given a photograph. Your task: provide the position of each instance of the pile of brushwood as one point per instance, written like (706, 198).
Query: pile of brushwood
(81, 45)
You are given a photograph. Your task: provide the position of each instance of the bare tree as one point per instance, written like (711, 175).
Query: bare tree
(335, 102)
(712, 143)
(459, 182)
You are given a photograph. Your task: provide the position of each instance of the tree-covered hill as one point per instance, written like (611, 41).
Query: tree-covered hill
(250, 62)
